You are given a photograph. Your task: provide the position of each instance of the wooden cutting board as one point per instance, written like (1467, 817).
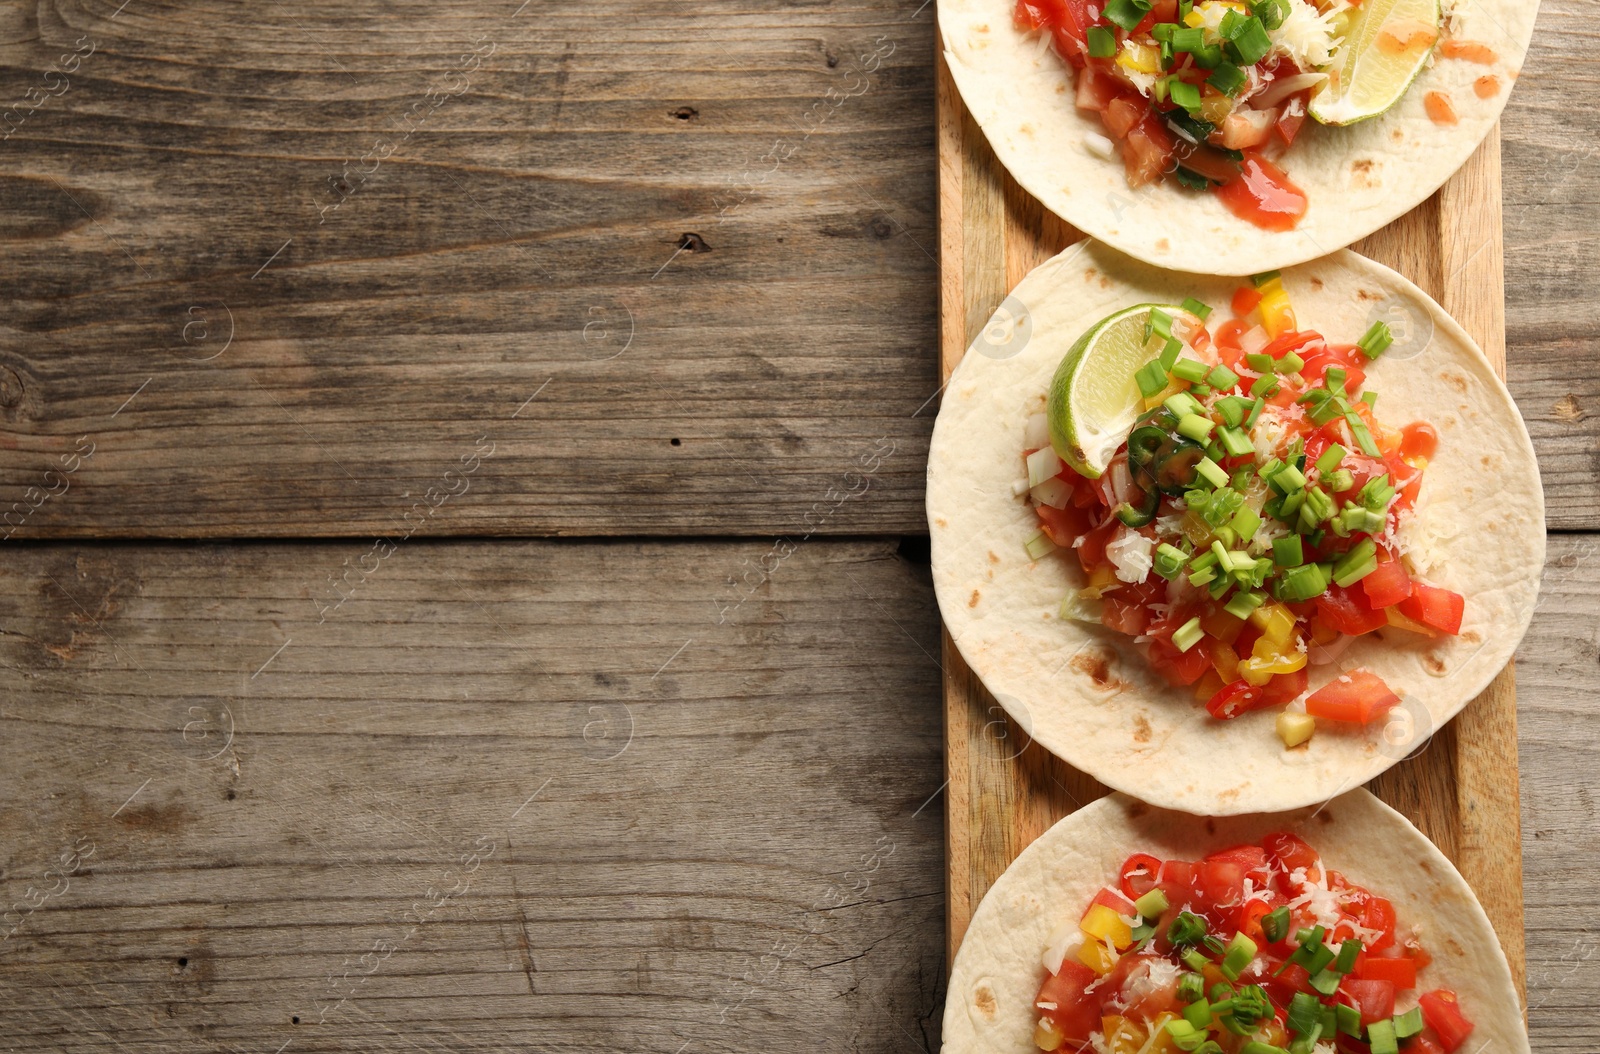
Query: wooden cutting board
(1462, 790)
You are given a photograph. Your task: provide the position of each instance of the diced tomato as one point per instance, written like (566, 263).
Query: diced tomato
(1282, 986)
(1179, 667)
(1340, 609)
(1253, 857)
(1125, 616)
(1063, 526)
(1139, 874)
(1294, 340)
(1424, 1042)
(1122, 113)
(1289, 852)
(1376, 914)
(1204, 161)
(1419, 439)
(1250, 914)
(1293, 118)
(1092, 553)
(1237, 698)
(1245, 299)
(1400, 972)
(1263, 195)
(1389, 584)
(1146, 151)
(1150, 1000)
(1068, 21)
(1246, 129)
(1077, 1013)
(1097, 90)
(1435, 607)
(1358, 696)
(1285, 687)
(1346, 357)
(1112, 899)
(1160, 11)
(1442, 1013)
(1220, 885)
(1375, 999)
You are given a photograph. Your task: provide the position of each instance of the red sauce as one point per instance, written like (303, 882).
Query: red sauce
(1487, 86)
(1263, 195)
(1419, 439)
(1440, 108)
(1470, 50)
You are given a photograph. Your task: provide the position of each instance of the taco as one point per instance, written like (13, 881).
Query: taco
(1231, 137)
(1126, 929)
(1231, 546)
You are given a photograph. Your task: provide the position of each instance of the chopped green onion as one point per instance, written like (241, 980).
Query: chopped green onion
(1334, 378)
(1354, 519)
(1317, 510)
(1195, 960)
(1287, 552)
(1275, 923)
(1039, 545)
(1203, 561)
(1201, 390)
(1212, 473)
(1245, 523)
(1249, 42)
(1164, 30)
(1184, 1035)
(1260, 361)
(1186, 39)
(1240, 951)
(1324, 405)
(1184, 94)
(1151, 378)
(1232, 408)
(1221, 377)
(1291, 505)
(1250, 1006)
(1255, 412)
(1257, 1047)
(1235, 443)
(1203, 578)
(1302, 583)
(1191, 370)
(1377, 493)
(1198, 1013)
(1126, 13)
(1143, 932)
(1380, 1037)
(1102, 42)
(1331, 458)
(1291, 363)
(1271, 12)
(1358, 429)
(1188, 928)
(1195, 427)
(1197, 309)
(1152, 904)
(1242, 604)
(1371, 399)
(1349, 1020)
(1159, 323)
(1340, 481)
(1409, 1023)
(1287, 479)
(1376, 341)
(1348, 950)
(1169, 352)
(1191, 988)
(1257, 280)
(1183, 403)
(1264, 386)
(1305, 1013)
(1326, 981)
(1228, 79)
(1214, 451)
(1168, 560)
(1208, 58)
(1357, 564)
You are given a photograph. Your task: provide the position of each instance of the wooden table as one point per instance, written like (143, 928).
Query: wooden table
(467, 582)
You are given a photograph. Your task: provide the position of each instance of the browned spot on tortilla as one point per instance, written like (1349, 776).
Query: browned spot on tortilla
(1485, 460)
(1098, 667)
(1088, 275)
(1061, 89)
(1137, 809)
(1026, 129)
(1231, 794)
(1326, 815)
(1105, 283)
(1433, 663)
(982, 28)
(942, 522)
(993, 559)
(1472, 636)
(1211, 826)
(986, 1003)
(1455, 380)
(1427, 868)
(1163, 245)
(1362, 294)
(1567, 409)
(974, 601)
(1316, 283)
(1398, 136)
(1141, 728)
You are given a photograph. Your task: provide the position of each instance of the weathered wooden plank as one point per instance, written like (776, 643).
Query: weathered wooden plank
(1552, 219)
(692, 834)
(329, 249)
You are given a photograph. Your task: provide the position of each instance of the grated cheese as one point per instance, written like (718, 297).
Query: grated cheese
(1307, 35)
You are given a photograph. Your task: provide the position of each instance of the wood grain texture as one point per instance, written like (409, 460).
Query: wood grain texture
(653, 820)
(1552, 223)
(329, 248)
(1455, 791)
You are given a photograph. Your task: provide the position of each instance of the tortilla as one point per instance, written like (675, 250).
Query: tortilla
(1358, 177)
(997, 972)
(1086, 693)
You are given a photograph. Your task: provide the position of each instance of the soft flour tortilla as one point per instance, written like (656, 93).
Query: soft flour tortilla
(1357, 178)
(997, 973)
(1087, 693)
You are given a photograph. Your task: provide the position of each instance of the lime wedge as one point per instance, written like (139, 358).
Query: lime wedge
(1094, 398)
(1385, 47)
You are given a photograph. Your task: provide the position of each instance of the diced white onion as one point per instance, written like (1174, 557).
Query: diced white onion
(1037, 432)
(1280, 90)
(1076, 607)
(1253, 340)
(1053, 492)
(1019, 487)
(1042, 465)
(1039, 545)
(1099, 145)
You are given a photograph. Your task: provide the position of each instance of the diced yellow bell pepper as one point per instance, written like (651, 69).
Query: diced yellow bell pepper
(1272, 1033)
(1223, 625)
(1104, 924)
(1275, 622)
(1097, 957)
(1260, 671)
(1277, 314)
(1045, 1036)
(1295, 728)
(1163, 395)
(1223, 659)
(1400, 621)
(1208, 685)
(1103, 577)
(1215, 106)
(1141, 58)
(1163, 1043)
(1121, 1035)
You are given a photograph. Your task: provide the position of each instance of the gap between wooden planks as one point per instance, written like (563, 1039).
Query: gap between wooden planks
(1462, 790)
